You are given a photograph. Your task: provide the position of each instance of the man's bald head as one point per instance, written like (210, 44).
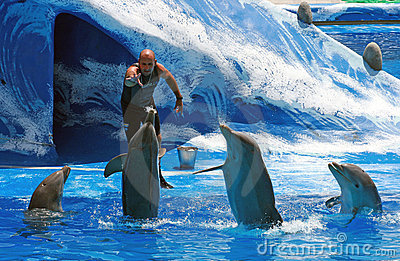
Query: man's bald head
(147, 53)
(147, 62)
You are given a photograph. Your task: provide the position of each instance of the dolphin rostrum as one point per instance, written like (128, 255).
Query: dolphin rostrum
(140, 172)
(49, 193)
(358, 189)
(247, 182)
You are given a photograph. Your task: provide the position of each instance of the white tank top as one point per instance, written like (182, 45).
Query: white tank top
(144, 96)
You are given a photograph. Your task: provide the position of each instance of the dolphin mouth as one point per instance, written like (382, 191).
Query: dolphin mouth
(151, 115)
(66, 170)
(338, 171)
(225, 128)
(227, 133)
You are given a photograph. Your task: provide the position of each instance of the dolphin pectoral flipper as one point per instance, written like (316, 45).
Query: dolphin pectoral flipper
(209, 169)
(333, 201)
(116, 164)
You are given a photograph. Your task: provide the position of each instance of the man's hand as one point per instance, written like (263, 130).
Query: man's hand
(133, 77)
(179, 106)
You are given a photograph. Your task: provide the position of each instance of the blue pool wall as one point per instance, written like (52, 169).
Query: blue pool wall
(47, 36)
(42, 122)
(75, 38)
(49, 115)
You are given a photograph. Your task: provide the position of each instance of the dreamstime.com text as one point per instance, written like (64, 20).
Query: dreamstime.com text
(340, 247)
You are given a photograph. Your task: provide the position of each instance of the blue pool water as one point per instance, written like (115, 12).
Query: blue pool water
(356, 37)
(195, 221)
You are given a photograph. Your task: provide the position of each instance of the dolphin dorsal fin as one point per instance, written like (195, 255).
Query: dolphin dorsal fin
(116, 164)
(333, 201)
(209, 169)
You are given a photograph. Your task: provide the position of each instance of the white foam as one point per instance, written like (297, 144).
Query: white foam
(308, 226)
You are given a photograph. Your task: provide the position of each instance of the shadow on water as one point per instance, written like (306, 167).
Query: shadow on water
(39, 221)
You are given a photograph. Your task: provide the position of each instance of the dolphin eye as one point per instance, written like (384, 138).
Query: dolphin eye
(357, 186)
(44, 184)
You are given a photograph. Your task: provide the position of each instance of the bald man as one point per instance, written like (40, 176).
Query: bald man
(141, 79)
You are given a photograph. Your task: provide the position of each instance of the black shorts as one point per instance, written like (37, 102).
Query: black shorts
(134, 116)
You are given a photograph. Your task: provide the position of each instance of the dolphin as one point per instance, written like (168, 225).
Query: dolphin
(140, 172)
(247, 182)
(358, 189)
(49, 193)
